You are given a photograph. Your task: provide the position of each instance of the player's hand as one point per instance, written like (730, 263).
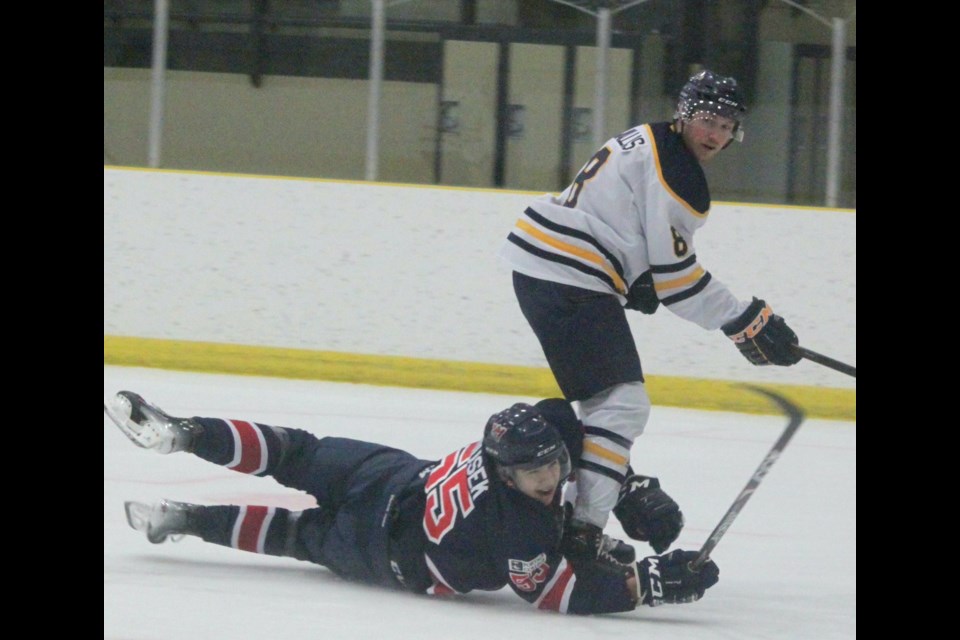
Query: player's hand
(669, 579)
(647, 513)
(585, 542)
(642, 296)
(763, 337)
(581, 542)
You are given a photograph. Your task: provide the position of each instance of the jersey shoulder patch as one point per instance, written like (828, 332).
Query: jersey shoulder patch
(679, 169)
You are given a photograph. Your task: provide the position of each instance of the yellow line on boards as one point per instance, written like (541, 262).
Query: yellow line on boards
(398, 371)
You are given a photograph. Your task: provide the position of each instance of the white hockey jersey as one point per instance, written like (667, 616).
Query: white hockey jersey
(634, 206)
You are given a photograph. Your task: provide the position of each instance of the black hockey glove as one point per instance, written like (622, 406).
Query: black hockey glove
(642, 296)
(670, 580)
(581, 541)
(762, 337)
(647, 513)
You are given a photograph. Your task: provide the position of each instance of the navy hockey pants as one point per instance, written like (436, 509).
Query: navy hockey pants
(358, 487)
(584, 334)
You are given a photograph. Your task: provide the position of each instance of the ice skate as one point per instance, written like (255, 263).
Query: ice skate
(161, 521)
(618, 550)
(149, 427)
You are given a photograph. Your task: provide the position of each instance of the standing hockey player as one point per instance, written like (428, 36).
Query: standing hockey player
(485, 516)
(621, 236)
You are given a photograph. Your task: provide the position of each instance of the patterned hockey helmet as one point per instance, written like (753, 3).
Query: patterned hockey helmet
(521, 438)
(712, 93)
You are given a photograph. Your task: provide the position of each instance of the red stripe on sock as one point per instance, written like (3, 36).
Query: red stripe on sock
(250, 528)
(251, 452)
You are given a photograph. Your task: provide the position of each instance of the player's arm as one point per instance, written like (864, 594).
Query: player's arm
(685, 287)
(551, 582)
(605, 586)
(681, 283)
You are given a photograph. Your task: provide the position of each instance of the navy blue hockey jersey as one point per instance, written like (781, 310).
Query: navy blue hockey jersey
(483, 534)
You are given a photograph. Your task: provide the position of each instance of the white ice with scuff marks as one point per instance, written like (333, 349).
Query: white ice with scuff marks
(788, 562)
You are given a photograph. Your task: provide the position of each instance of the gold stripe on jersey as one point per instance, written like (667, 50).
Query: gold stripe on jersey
(606, 454)
(655, 146)
(573, 250)
(688, 293)
(680, 282)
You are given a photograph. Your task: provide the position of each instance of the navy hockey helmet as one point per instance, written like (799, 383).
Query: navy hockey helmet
(712, 93)
(521, 438)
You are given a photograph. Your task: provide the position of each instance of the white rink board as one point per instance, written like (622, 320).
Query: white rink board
(411, 271)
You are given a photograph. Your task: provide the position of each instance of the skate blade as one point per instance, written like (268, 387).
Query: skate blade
(138, 517)
(119, 411)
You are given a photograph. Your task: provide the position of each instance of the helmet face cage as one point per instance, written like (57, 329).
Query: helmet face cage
(509, 472)
(521, 438)
(709, 93)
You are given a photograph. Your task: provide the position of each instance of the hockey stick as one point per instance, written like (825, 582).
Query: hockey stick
(796, 418)
(836, 365)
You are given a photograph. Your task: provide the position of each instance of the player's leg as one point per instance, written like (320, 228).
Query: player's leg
(295, 458)
(587, 341)
(357, 485)
(257, 529)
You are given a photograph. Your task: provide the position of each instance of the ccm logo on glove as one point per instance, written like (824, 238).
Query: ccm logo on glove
(655, 586)
(762, 336)
(669, 579)
(755, 327)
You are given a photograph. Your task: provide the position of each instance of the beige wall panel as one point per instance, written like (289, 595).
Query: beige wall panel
(289, 126)
(654, 105)
(126, 116)
(756, 169)
(536, 85)
(469, 81)
(619, 68)
(408, 132)
(780, 21)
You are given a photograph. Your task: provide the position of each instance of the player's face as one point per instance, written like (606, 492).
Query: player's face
(705, 134)
(540, 483)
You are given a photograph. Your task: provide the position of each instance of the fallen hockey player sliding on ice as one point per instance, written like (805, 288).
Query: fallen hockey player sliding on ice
(485, 516)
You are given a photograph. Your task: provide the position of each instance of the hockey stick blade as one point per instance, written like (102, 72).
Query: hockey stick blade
(819, 358)
(795, 415)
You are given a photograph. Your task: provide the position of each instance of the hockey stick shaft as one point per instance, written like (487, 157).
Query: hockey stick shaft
(796, 418)
(836, 365)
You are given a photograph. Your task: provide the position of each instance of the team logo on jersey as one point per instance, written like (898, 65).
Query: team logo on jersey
(527, 575)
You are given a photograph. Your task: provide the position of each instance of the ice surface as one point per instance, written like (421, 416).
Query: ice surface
(787, 564)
